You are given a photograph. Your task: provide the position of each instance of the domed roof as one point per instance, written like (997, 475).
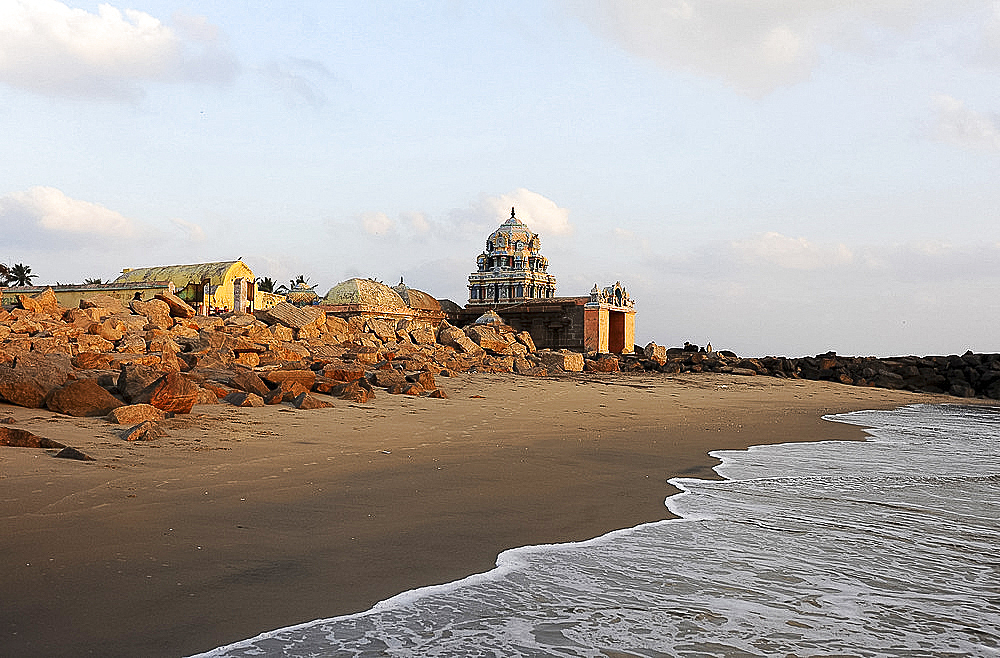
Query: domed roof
(364, 292)
(416, 299)
(513, 235)
(489, 317)
(301, 294)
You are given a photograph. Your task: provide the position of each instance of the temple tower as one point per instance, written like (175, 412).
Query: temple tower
(511, 270)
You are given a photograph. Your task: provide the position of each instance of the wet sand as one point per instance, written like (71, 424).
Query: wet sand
(246, 520)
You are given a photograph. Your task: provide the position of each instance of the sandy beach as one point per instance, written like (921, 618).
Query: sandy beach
(243, 520)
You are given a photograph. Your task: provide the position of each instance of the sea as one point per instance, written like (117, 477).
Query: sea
(883, 547)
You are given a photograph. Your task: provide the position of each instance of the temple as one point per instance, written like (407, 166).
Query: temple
(512, 280)
(511, 270)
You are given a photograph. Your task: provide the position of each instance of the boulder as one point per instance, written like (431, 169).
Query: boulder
(604, 363)
(437, 393)
(455, 337)
(178, 307)
(17, 438)
(244, 399)
(134, 378)
(305, 378)
(286, 391)
(524, 338)
(310, 401)
(44, 302)
(562, 360)
(343, 373)
(82, 397)
(91, 343)
(249, 381)
(156, 311)
(655, 353)
(387, 378)
(132, 414)
(172, 392)
(489, 339)
(422, 336)
(147, 430)
(293, 317)
(111, 329)
(104, 301)
(357, 391)
(425, 379)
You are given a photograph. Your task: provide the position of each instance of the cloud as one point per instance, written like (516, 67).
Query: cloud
(47, 213)
(790, 253)
(192, 231)
(754, 46)
(49, 48)
(377, 224)
(961, 126)
(538, 212)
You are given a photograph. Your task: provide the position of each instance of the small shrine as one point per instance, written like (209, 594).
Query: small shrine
(609, 320)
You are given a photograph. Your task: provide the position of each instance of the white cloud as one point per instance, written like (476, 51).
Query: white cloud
(50, 48)
(377, 224)
(754, 45)
(961, 126)
(538, 212)
(791, 253)
(49, 212)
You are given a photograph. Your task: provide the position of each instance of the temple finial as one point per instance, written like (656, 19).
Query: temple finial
(512, 211)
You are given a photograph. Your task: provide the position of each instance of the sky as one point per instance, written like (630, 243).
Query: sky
(776, 177)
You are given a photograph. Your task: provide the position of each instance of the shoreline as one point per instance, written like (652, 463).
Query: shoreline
(242, 521)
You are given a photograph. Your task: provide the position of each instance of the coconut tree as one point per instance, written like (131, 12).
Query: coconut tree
(266, 284)
(294, 284)
(89, 282)
(4, 274)
(21, 275)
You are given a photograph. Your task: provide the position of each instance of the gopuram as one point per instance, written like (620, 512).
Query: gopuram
(512, 281)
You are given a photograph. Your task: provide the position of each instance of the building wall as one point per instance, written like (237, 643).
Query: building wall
(70, 296)
(190, 279)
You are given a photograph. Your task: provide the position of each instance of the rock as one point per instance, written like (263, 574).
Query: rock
(244, 399)
(605, 363)
(133, 378)
(489, 339)
(387, 378)
(17, 387)
(343, 373)
(44, 302)
(356, 391)
(437, 393)
(425, 379)
(91, 343)
(422, 336)
(104, 301)
(178, 307)
(70, 452)
(294, 317)
(455, 337)
(524, 338)
(249, 381)
(655, 353)
(84, 398)
(207, 396)
(111, 329)
(286, 391)
(305, 378)
(132, 414)
(172, 392)
(745, 372)
(562, 360)
(17, 438)
(147, 430)
(310, 401)
(156, 311)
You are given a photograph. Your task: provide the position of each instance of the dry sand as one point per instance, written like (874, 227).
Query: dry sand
(246, 520)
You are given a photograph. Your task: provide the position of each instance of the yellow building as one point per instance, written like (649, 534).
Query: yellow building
(208, 287)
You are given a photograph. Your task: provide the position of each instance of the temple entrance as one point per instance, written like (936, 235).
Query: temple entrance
(616, 332)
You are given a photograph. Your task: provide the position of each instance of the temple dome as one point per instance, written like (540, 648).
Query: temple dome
(417, 299)
(512, 236)
(364, 292)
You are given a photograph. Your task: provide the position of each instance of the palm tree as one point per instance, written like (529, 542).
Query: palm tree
(4, 274)
(88, 282)
(21, 275)
(266, 284)
(302, 278)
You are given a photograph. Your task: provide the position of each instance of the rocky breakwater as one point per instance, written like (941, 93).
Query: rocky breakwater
(139, 363)
(969, 375)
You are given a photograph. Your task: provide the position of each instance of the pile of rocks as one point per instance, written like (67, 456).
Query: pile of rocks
(969, 375)
(159, 354)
